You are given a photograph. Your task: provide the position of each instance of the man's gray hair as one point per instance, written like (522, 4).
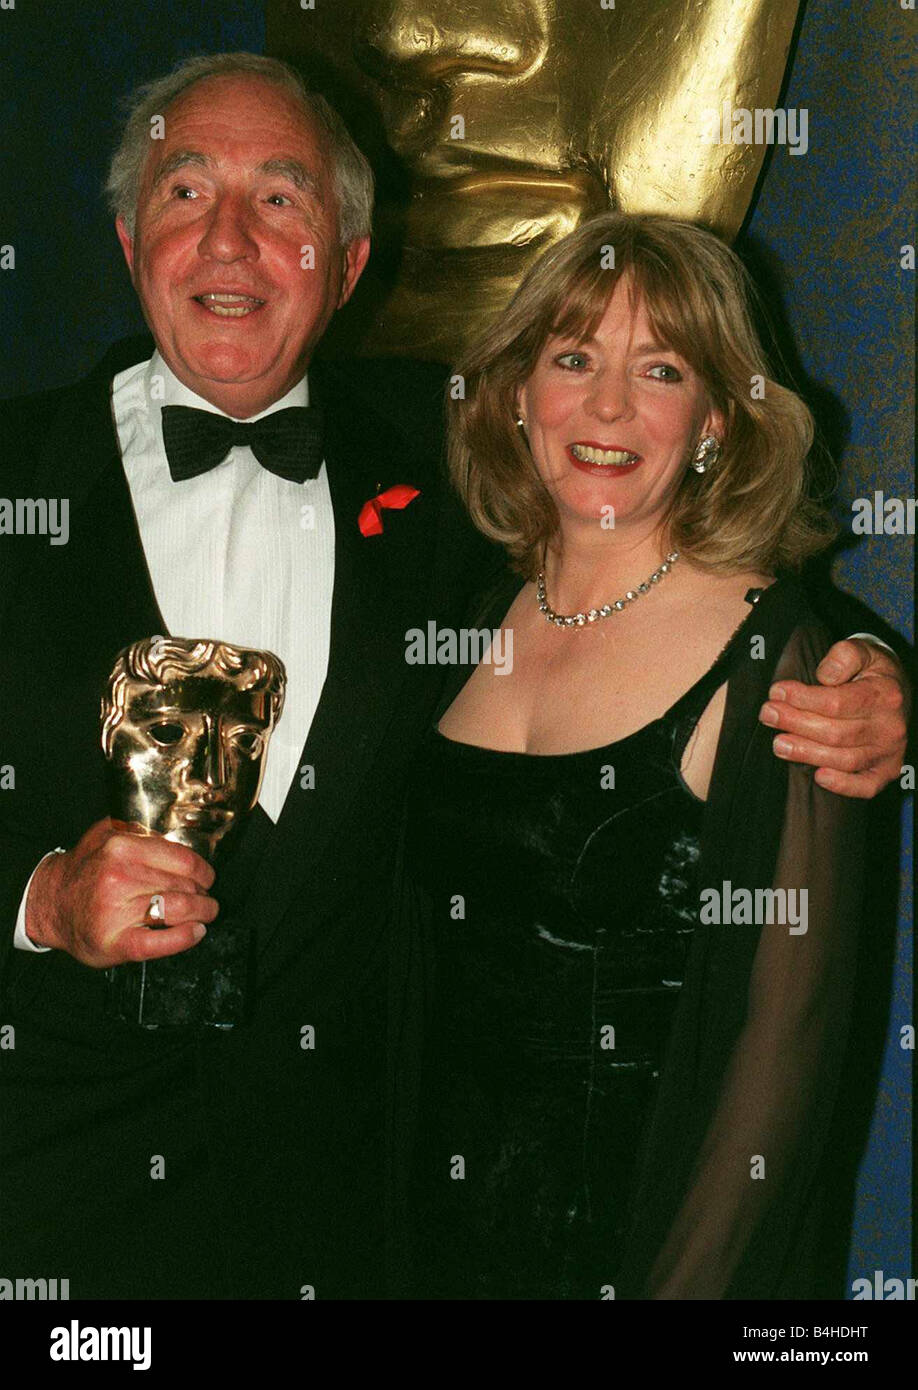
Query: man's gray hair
(351, 173)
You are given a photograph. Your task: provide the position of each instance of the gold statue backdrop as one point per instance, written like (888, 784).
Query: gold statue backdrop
(497, 126)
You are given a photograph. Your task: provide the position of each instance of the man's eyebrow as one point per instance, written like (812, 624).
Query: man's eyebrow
(290, 169)
(293, 170)
(177, 160)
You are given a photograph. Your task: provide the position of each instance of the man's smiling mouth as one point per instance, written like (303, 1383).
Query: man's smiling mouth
(229, 305)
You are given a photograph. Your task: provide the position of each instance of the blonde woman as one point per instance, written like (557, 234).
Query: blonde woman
(634, 1045)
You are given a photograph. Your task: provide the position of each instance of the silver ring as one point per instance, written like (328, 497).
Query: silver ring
(157, 908)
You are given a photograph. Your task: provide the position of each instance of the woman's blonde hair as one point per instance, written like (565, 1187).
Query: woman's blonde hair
(750, 510)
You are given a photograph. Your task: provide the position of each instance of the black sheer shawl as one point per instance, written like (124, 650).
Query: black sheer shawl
(752, 1070)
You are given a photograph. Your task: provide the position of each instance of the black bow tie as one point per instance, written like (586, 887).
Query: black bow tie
(288, 443)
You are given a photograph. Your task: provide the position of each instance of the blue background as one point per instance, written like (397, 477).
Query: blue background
(834, 221)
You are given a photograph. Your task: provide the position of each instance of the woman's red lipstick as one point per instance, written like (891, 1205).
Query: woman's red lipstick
(602, 470)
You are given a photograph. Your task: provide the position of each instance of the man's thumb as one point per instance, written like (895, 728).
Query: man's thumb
(842, 663)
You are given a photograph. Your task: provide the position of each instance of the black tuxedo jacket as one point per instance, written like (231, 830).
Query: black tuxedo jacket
(235, 1164)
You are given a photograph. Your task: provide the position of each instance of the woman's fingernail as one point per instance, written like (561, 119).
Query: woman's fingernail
(777, 692)
(198, 930)
(769, 715)
(782, 746)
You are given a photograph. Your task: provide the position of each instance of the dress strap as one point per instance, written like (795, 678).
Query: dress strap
(684, 715)
(488, 611)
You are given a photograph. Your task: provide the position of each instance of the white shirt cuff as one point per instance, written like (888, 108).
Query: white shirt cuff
(20, 940)
(869, 637)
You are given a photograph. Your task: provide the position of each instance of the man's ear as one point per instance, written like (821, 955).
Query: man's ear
(127, 243)
(355, 258)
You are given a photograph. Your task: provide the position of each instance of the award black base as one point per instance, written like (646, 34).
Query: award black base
(209, 986)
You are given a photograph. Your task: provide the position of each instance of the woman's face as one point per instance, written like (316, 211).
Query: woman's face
(613, 421)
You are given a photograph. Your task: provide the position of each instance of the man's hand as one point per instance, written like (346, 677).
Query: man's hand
(92, 902)
(853, 730)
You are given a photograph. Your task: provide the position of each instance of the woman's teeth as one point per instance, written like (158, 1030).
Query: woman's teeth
(615, 457)
(229, 305)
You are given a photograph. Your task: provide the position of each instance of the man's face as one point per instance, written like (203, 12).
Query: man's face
(231, 201)
(187, 758)
(515, 120)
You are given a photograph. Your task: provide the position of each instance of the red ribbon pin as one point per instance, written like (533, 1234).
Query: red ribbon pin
(398, 497)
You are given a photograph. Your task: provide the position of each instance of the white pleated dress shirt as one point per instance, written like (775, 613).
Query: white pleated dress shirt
(236, 554)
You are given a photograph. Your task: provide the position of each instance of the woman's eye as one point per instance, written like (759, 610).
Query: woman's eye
(573, 361)
(281, 198)
(182, 189)
(671, 373)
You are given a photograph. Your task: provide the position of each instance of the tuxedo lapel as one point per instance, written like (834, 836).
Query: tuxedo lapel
(380, 590)
(71, 608)
(79, 446)
(81, 461)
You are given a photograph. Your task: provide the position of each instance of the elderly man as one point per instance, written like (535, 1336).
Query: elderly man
(250, 1162)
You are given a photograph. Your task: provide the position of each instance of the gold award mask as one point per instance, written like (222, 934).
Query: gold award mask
(185, 728)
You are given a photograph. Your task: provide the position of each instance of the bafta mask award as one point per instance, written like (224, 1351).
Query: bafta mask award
(185, 729)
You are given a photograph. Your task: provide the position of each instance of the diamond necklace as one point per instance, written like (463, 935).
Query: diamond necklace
(581, 619)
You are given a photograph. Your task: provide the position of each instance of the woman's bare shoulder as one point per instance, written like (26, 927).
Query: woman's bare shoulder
(723, 588)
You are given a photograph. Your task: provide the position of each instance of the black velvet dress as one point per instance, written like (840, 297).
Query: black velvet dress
(563, 898)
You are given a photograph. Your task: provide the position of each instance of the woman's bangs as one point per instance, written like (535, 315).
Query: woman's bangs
(580, 312)
(673, 315)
